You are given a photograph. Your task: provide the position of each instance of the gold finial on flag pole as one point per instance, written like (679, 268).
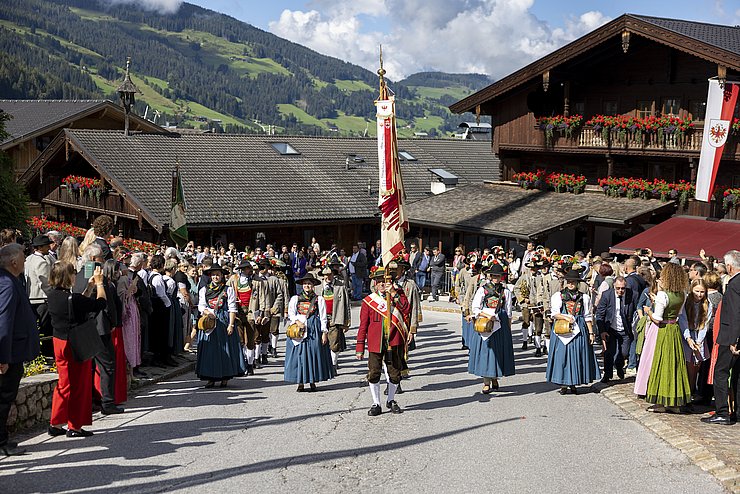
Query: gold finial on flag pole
(381, 74)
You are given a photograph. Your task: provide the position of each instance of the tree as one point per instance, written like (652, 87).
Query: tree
(13, 196)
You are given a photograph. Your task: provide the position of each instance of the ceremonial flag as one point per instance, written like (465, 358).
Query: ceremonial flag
(391, 195)
(720, 108)
(178, 224)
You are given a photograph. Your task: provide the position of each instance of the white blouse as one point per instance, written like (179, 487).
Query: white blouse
(477, 305)
(204, 308)
(294, 316)
(556, 304)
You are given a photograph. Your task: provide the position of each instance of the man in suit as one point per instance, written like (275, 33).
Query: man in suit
(614, 320)
(437, 268)
(19, 337)
(637, 285)
(728, 343)
(413, 255)
(358, 271)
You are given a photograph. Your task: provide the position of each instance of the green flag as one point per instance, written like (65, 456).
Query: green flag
(178, 224)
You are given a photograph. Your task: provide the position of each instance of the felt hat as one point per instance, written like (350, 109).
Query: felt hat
(572, 275)
(41, 240)
(496, 269)
(216, 267)
(309, 278)
(246, 263)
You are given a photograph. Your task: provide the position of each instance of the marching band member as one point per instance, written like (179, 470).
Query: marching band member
(491, 347)
(385, 343)
(307, 357)
(220, 355)
(241, 283)
(338, 313)
(572, 360)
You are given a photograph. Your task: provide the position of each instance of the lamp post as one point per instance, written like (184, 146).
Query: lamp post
(126, 92)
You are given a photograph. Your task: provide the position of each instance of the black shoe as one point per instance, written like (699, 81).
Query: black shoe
(573, 390)
(312, 388)
(79, 433)
(300, 388)
(538, 353)
(257, 364)
(111, 410)
(563, 390)
(263, 359)
(524, 345)
(56, 431)
(11, 450)
(393, 407)
(250, 370)
(605, 380)
(494, 385)
(138, 373)
(544, 350)
(375, 410)
(399, 390)
(620, 374)
(717, 419)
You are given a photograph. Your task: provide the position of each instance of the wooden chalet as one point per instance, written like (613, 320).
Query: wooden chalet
(634, 65)
(35, 123)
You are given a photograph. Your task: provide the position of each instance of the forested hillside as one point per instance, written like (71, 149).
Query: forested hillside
(198, 68)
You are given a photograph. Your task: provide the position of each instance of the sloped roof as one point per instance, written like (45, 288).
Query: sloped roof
(512, 212)
(715, 43)
(36, 117)
(725, 37)
(237, 179)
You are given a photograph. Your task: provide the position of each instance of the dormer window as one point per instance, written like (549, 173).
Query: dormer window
(285, 149)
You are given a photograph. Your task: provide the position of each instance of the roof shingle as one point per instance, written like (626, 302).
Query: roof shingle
(31, 116)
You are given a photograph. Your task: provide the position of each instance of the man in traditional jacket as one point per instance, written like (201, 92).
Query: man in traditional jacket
(267, 307)
(37, 269)
(385, 344)
(241, 283)
(338, 310)
(523, 292)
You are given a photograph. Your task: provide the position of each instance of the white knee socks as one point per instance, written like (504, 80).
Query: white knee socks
(249, 354)
(537, 341)
(391, 390)
(375, 392)
(273, 341)
(334, 359)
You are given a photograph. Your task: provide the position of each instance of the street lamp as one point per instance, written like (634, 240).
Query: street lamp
(126, 92)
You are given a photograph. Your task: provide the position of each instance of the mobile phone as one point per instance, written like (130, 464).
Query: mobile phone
(643, 252)
(89, 269)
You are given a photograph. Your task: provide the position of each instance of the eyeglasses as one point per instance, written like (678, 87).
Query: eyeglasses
(620, 288)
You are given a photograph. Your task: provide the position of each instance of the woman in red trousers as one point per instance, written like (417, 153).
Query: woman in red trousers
(72, 400)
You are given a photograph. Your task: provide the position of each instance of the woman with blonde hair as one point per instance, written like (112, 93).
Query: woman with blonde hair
(89, 239)
(668, 386)
(68, 251)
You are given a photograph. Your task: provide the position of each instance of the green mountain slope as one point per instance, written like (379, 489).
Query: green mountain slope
(201, 69)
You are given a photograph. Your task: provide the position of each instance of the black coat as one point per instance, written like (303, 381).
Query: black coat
(605, 311)
(19, 336)
(729, 316)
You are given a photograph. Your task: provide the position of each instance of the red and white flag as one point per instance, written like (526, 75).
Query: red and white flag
(720, 108)
(391, 196)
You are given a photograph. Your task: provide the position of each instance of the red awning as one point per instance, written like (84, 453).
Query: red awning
(688, 235)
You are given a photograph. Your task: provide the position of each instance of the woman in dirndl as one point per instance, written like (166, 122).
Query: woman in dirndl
(572, 361)
(466, 298)
(307, 356)
(219, 350)
(492, 352)
(668, 384)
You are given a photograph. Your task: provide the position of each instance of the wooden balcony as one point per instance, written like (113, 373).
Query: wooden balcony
(517, 137)
(110, 203)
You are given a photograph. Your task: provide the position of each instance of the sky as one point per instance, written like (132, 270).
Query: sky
(493, 37)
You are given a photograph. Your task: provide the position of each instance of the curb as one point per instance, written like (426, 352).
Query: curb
(174, 372)
(453, 310)
(698, 454)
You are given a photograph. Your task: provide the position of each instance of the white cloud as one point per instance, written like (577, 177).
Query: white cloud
(493, 37)
(161, 6)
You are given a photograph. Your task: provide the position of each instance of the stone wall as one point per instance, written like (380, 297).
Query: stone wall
(33, 404)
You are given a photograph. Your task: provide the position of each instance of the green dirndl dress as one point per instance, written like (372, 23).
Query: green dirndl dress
(668, 384)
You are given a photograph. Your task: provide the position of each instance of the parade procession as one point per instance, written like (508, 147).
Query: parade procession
(547, 302)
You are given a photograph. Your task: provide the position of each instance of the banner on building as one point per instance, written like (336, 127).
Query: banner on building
(721, 103)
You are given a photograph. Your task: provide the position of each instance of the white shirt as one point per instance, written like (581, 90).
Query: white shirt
(617, 321)
(352, 261)
(160, 288)
(204, 308)
(294, 316)
(556, 304)
(477, 308)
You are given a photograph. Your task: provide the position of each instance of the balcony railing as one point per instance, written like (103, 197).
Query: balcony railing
(109, 202)
(588, 137)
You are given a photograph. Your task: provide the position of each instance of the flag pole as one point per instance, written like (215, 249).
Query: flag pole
(386, 274)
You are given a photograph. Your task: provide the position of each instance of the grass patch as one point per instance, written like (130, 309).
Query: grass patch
(303, 117)
(457, 92)
(197, 110)
(352, 85)
(90, 15)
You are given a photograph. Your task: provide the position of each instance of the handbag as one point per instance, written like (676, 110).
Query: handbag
(563, 327)
(293, 331)
(83, 338)
(483, 324)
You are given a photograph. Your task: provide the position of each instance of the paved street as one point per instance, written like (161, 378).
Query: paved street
(259, 435)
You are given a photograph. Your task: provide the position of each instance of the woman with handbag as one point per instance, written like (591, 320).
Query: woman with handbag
(491, 346)
(307, 356)
(220, 355)
(111, 275)
(73, 335)
(572, 360)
